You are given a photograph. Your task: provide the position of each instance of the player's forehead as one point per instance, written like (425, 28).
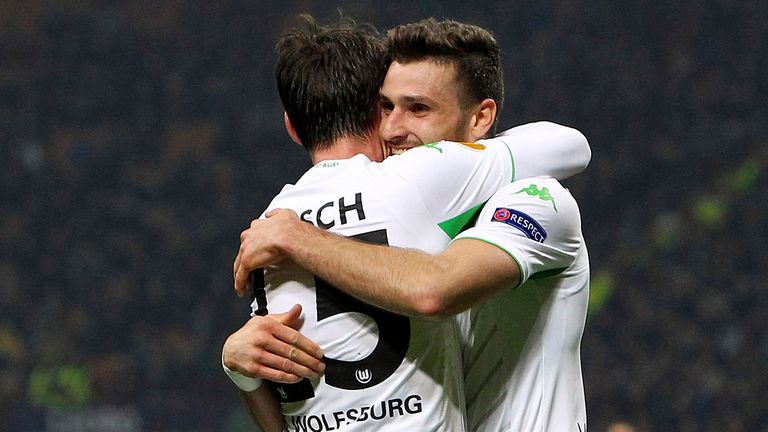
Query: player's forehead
(423, 80)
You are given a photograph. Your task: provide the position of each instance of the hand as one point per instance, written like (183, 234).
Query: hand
(270, 347)
(259, 245)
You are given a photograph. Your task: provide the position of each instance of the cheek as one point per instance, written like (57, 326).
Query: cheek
(433, 130)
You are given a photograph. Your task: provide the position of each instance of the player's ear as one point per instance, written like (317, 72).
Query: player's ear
(483, 118)
(291, 130)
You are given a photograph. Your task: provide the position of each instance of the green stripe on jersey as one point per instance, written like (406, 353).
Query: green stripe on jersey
(511, 156)
(455, 225)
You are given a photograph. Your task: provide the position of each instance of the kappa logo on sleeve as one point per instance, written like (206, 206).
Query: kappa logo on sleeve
(523, 222)
(542, 193)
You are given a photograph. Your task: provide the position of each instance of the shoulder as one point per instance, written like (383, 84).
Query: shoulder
(545, 192)
(537, 202)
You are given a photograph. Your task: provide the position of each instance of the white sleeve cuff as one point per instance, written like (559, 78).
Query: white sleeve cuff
(244, 383)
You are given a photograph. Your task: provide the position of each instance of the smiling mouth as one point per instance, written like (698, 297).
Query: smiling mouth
(401, 149)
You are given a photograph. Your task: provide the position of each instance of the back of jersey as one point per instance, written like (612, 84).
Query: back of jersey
(383, 371)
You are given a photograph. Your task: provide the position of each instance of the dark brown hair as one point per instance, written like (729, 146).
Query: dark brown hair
(472, 49)
(328, 78)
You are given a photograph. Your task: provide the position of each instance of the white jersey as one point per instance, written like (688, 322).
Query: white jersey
(385, 371)
(521, 354)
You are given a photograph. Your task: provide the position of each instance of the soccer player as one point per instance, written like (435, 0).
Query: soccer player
(383, 370)
(522, 270)
(526, 253)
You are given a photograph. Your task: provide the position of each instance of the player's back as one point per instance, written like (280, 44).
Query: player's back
(383, 371)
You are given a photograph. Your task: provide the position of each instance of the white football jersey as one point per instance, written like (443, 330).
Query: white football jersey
(521, 353)
(385, 371)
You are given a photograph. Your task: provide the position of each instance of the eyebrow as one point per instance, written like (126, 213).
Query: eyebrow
(408, 99)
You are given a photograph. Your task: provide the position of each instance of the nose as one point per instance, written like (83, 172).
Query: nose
(393, 128)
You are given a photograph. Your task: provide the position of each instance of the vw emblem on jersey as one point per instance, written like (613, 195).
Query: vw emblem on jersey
(282, 392)
(363, 376)
(501, 214)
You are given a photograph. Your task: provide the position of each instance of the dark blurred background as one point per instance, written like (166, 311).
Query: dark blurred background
(138, 138)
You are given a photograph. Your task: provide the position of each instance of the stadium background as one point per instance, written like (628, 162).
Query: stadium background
(138, 138)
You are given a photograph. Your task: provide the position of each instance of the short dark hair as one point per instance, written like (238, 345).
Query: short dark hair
(328, 78)
(472, 49)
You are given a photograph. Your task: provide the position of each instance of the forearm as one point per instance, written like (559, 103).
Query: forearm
(399, 280)
(405, 281)
(264, 409)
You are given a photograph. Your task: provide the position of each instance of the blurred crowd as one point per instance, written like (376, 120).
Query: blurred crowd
(138, 139)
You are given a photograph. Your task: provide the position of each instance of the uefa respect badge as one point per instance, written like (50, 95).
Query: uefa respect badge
(521, 221)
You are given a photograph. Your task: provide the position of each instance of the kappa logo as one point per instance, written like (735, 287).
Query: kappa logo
(434, 145)
(363, 376)
(542, 193)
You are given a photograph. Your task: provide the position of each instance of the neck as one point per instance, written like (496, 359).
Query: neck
(348, 146)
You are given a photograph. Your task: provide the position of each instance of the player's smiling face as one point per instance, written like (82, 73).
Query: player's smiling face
(420, 105)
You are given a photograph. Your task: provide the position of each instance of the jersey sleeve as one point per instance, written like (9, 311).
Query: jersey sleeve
(546, 149)
(536, 221)
(453, 180)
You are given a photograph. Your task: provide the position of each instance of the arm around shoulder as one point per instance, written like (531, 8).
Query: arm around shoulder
(405, 281)
(469, 272)
(547, 149)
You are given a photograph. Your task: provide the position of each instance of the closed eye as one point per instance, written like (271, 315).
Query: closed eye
(386, 105)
